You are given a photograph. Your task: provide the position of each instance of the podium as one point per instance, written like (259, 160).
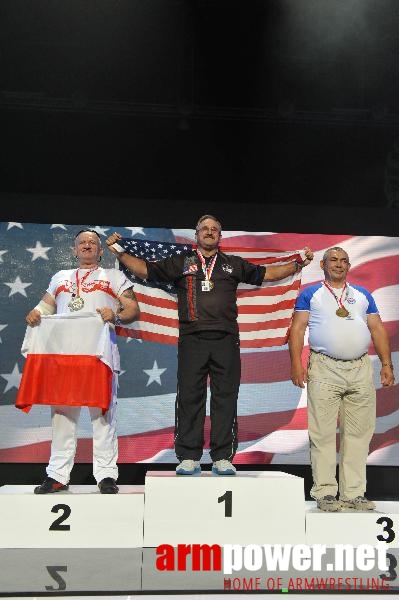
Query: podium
(177, 533)
(353, 527)
(254, 507)
(74, 541)
(78, 518)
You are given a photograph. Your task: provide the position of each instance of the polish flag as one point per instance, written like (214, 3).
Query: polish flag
(70, 360)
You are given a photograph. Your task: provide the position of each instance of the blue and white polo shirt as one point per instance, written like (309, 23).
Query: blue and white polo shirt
(344, 338)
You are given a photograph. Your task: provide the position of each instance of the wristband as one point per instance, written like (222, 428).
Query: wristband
(387, 364)
(117, 320)
(118, 248)
(44, 308)
(298, 266)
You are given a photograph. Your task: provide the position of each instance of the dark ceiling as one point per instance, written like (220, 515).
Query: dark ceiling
(265, 101)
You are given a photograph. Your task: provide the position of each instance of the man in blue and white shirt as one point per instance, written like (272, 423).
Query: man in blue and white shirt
(342, 319)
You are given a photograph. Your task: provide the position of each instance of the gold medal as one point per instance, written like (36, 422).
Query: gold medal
(76, 303)
(211, 284)
(342, 312)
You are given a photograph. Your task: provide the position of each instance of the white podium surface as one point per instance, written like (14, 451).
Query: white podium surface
(353, 527)
(84, 541)
(253, 507)
(78, 518)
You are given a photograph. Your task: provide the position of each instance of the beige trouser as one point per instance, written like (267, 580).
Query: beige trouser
(345, 389)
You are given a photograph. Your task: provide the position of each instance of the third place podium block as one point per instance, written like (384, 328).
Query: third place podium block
(354, 527)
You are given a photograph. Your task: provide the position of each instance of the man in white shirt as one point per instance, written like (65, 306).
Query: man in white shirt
(342, 319)
(87, 288)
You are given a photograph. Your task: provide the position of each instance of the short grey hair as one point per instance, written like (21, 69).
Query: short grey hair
(334, 248)
(204, 217)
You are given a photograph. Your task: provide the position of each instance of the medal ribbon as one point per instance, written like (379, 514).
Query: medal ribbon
(81, 282)
(339, 300)
(207, 271)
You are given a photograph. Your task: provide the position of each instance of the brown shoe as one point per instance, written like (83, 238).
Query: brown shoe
(358, 503)
(328, 504)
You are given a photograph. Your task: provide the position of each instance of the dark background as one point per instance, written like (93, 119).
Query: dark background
(275, 115)
(153, 111)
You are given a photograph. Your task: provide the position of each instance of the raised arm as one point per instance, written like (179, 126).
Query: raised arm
(382, 346)
(136, 265)
(299, 373)
(276, 272)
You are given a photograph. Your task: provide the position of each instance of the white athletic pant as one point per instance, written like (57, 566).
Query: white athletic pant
(64, 420)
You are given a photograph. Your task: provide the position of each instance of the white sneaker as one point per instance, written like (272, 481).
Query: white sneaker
(188, 467)
(223, 467)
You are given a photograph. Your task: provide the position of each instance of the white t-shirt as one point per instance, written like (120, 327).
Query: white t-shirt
(345, 338)
(97, 287)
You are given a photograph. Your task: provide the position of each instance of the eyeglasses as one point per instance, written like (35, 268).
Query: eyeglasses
(209, 229)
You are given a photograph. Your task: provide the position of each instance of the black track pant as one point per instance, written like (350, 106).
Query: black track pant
(216, 354)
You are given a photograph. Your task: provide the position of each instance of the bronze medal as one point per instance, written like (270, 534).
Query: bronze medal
(76, 303)
(342, 312)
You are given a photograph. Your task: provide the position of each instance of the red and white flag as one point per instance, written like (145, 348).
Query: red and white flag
(69, 361)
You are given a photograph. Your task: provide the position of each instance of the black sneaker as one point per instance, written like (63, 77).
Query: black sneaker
(108, 486)
(49, 486)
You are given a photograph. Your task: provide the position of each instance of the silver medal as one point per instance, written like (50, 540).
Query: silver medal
(76, 303)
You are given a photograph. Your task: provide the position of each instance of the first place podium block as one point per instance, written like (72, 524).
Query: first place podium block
(253, 507)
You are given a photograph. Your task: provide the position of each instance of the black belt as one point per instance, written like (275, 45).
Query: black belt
(339, 359)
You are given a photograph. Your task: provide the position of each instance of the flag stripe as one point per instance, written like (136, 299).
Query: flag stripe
(157, 319)
(61, 379)
(265, 308)
(264, 326)
(155, 298)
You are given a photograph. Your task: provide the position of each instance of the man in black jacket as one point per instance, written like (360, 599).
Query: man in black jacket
(206, 280)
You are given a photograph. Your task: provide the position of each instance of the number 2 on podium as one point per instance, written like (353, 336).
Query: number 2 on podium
(66, 511)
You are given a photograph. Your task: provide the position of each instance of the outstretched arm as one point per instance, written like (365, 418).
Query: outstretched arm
(299, 374)
(276, 272)
(136, 265)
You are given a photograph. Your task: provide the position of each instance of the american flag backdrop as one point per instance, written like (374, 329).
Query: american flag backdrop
(272, 412)
(264, 313)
